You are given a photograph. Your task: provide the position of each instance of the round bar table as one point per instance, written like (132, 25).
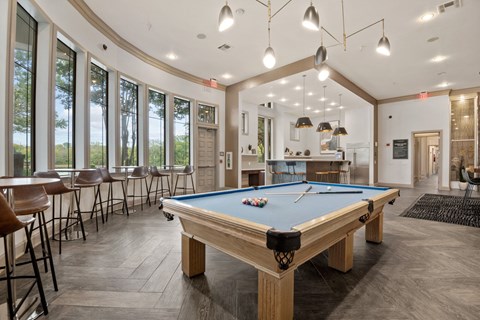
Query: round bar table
(10, 184)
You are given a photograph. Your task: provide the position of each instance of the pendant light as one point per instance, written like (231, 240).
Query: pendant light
(269, 59)
(303, 122)
(383, 45)
(340, 131)
(311, 20)
(324, 126)
(225, 19)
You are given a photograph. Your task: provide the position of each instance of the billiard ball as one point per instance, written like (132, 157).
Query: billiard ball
(329, 188)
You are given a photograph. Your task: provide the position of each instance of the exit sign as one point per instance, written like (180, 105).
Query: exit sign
(423, 95)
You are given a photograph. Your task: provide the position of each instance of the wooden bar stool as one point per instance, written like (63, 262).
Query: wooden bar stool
(59, 189)
(139, 173)
(91, 179)
(9, 224)
(333, 175)
(160, 176)
(111, 201)
(293, 174)
(188, 171)
(33, 200)
(321, 176)
(345, 173)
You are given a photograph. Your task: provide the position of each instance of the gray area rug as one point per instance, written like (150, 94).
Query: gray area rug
(445, 208)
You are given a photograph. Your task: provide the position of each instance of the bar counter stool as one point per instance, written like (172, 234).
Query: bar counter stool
(160, 176)
(33, 200)
(139, 173)
(291, 171)
(345, 173)
(59, 189)
(333, 175)
(188, 171)
(91, 179)
(9, 224)
(111, 201)
(322, 176)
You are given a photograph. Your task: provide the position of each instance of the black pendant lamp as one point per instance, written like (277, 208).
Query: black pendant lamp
(340, 131)
(303, 122)
(324, 126)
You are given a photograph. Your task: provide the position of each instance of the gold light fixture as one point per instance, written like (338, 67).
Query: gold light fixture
(324, 126)
(303, 122)
(340, 131)
(383, 46)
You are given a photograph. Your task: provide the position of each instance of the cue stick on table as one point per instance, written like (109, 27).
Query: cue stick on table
(303, 193)
(317, 192)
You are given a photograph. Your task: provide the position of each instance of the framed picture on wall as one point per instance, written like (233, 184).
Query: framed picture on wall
(294, 132)
(328, 142)
(229, 161)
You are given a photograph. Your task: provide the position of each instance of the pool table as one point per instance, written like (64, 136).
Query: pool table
(279, 237)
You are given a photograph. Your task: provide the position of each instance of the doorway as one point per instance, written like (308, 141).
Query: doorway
(206, 170)
(426, 160)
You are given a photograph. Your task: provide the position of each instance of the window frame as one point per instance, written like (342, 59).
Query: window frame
(137, 106)
(165, 123)
(173, 121)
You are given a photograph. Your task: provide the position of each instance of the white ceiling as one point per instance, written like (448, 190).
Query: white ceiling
(160, 27)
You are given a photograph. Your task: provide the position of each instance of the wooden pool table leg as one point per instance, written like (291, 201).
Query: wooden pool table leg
(275, 296)
(340, 255)
(193, 256)
(374, 229)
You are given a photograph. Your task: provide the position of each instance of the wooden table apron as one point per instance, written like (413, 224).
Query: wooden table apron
(10, 184)
(246, 241)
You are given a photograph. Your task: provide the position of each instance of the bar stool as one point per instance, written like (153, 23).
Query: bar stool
(59, 189)
(333, 175)
(91, 179)
(291, 171)
(33, 200)
(345, 173)
(276, 174)
(107, 178)
(9, 224)
(159, 175)
(187, 171)
(139, 173)
(322, 176)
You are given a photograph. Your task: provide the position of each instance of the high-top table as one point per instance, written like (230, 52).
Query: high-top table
(71, 234)
(10, 184)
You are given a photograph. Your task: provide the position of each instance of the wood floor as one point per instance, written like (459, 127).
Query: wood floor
(130, 269)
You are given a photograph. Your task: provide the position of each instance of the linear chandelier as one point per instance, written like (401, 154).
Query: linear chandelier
(311, 21)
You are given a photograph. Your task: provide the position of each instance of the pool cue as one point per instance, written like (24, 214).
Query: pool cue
(303, 193)
(317, 192)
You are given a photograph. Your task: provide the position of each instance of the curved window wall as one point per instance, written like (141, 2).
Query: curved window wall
(98, 116)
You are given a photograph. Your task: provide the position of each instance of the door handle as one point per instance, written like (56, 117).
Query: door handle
(203, 167)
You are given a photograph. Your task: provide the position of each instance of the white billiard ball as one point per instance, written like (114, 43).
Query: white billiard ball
(329, 188)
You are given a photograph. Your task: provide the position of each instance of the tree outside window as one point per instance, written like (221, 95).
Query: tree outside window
(181, 127)
(128, 123)
(98, 116)
(156, 127)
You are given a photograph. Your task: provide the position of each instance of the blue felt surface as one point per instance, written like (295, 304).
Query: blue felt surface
(281, 212)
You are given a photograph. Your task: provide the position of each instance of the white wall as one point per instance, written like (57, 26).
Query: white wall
(410, 116)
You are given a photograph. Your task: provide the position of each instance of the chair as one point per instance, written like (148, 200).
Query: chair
(111, 201)
(59, 189)
(9, 224)
(291, 171)
(345, 173)
(91, 179)
(333, 175)
(33, 200)
(471, 184)
(187, 171)
(139, 173)
(159, 175)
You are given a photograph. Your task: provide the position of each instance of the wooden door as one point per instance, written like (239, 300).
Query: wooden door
(206, 171)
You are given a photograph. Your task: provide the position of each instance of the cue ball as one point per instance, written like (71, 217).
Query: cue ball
(329, 188)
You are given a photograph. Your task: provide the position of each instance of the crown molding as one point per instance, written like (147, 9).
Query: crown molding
(113, 36)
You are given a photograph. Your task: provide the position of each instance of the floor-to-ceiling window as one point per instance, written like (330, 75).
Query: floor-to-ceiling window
(156, 128)
(65, 106)
(265, 138)
(128, 122)
(181, 128)
(24, 93)
(98, 116)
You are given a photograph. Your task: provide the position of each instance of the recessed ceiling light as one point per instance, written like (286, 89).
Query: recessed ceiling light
(283, 99)
(443, 84)
(438, 59)
(341, 107)
(226, 76)
(296, 104)
(172, 56)
(322, 99)
(432, 39)
(308, 108)
(427, 17)
(201, 36)
(333, 103)
(317, 111)
(328, 109)
(270, 95)
(283, 81)
(310, 93)
(298, 88)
